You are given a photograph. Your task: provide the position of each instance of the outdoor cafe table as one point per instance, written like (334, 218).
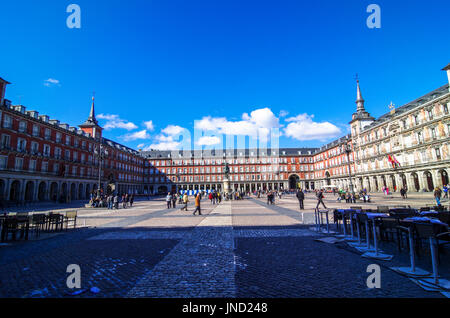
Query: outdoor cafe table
(20, 220)
(352, 212)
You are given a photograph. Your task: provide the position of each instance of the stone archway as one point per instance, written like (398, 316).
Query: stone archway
(54, 191)
(404, 183)
(42, 190)
(14, 192)
(2, 189)
(64, 193)
(429, 180)
(416, 183)
(73, 191)
(88, 192)
(163, 189)
(293, 181)
(80, 192)
(29, 190)
(444, 176)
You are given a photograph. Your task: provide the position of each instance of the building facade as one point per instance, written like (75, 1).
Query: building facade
(42, 159)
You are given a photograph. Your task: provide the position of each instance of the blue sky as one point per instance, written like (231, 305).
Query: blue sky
(159, 68)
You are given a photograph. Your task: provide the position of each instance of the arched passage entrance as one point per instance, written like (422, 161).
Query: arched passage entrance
(429, 179)
(73, 191)
(404, 183)
(54, 191)
(14, 192)
(293, 181)
(29, 189)
(163, 189)
(64, 193)
(88, 192)
(80, 192)
(42, 188)
(416, 183)
(444, 176)
(2, 189)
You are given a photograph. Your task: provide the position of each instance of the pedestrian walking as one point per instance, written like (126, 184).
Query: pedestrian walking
(108, 202)
(116, 201)
(124, 202)
(131, 200)
(300, 196)
(197, 205)
(437, 196)
(185, 201)
(174, 201)
(403, 193)
(320, 200)
(211, 198)
(169, 200)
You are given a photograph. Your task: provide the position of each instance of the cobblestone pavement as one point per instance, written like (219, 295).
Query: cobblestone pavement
(241, 248)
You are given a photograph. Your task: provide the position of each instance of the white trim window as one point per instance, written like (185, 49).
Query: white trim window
(3, 162)
(7, 121)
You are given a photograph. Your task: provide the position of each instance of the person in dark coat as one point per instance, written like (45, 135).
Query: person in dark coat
(300, 196)
(320, 199)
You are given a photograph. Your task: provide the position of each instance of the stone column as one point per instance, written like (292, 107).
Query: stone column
(380, 183)
(398, 181)
(437, 180)
(410, 182)
(422, 181)
(373, 188)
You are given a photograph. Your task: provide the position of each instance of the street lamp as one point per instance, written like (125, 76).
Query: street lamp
(101, 152)
(347, 148)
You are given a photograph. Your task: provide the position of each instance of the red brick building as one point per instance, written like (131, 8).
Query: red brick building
(42, 159)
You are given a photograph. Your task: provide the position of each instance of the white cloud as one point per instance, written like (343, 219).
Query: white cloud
(257, 124)
(137, 135)
(149, 125)
(283, 113)
(302, 127)
(208, 141)
(114, 121)
(173, 130)
(140, 146)
(166, 140)
(174, 145)
(51, 82)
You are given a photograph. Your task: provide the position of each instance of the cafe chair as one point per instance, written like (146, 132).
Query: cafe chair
(10, 226)
(55, 222)
(38, 223)
(431, 232)
(413, 270)
(70, 217)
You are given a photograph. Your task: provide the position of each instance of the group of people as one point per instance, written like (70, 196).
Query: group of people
(171, 200)
(215, 197)
(111, 201)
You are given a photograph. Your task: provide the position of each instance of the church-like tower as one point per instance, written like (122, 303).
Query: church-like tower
(91, 125)
(361, 118)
